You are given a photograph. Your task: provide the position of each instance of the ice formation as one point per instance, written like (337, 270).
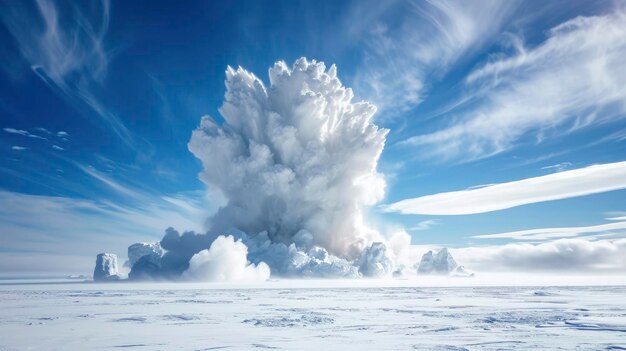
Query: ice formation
(139, 250)
(106, 267)
(374, 261)
(441, 263)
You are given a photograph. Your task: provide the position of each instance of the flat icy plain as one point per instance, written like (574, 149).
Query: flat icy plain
(292, 316)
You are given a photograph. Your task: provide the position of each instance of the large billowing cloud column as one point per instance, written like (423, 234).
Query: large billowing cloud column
(296, 159)
(296, 163)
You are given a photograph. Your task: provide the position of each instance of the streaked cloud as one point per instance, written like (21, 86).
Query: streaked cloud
(23, 133)
(578, 182)
(16, 131)
(424, 225)
(572, 80)
(110, 183)
(559, 167)
(66, 50)
(423, 41)
(602, 230)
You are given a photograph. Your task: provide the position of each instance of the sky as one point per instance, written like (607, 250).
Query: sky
(507, 131)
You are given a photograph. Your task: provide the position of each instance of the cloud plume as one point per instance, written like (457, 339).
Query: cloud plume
(424, 42)
(296, 162)
(574, 79)
(296, 159)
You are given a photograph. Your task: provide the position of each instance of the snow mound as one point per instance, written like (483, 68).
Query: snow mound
(296, 158)
(106, 267)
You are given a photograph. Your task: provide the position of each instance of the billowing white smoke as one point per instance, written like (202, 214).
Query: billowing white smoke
(225, 261)
(296, 159)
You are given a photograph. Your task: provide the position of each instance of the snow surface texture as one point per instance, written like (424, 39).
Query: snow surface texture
(441, 263)
(179, 316)
(106, 267)
(296, 162)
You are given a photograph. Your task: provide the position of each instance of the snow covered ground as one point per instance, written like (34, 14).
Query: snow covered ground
(310, 315)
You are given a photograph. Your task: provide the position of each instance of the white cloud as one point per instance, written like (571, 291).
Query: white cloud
(225, 261)
(23, 132)
(422, 41)
(424, 225)
(556, 186)
(574, 79)
(57, 147)
(563, 255)
(18, 148)
(66, 50)
(602, 230)
(42, 129)
(296, 159)
(559, 167)
(296, 163)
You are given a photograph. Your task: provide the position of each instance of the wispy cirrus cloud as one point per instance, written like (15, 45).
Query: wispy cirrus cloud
(424, 225)
(421, 43)
(562, 185)
(572, 80)
(23, 133)
(602, 230)
(66, 50)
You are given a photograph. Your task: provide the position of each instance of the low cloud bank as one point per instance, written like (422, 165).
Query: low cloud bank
(563, 255)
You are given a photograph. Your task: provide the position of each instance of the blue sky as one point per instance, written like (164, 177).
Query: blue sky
(98, 101)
